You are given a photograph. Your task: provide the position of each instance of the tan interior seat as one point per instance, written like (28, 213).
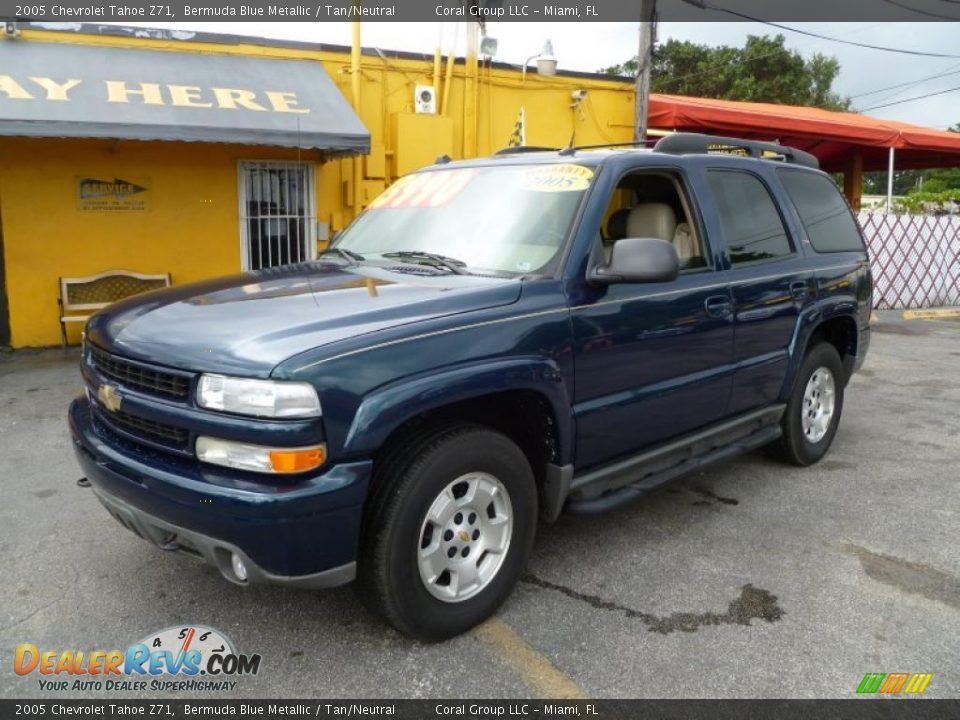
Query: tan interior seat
(652, 220)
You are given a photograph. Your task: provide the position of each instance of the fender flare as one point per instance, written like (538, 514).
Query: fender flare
(812, 317)
(386, 408)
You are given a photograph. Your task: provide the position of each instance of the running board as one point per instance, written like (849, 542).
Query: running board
(625, 481)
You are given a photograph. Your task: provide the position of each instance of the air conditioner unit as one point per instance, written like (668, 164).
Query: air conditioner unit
(425, 99)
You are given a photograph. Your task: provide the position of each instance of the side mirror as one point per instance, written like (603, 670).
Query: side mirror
(637, 260)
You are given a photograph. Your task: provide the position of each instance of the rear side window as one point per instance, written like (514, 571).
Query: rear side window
(751, 223)
(825, 214)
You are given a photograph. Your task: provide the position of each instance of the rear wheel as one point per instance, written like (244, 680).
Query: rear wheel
(448, 531)
(813, 412)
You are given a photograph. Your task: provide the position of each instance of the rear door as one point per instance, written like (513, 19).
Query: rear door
(770, 280)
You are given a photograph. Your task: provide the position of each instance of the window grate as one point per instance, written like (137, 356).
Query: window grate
(278, 217)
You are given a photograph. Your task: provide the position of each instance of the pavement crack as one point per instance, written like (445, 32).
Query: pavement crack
(27, 617)
(752, 604)
(710, 495)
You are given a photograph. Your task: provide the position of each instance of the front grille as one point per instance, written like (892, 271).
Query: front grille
(151, 430)
(139, 377)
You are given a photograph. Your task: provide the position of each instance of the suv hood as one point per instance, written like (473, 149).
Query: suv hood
(247, 324)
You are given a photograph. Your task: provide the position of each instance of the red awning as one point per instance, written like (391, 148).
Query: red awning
(833, 137)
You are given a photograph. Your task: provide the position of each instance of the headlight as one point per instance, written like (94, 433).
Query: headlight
(257, 458)
(263, 398)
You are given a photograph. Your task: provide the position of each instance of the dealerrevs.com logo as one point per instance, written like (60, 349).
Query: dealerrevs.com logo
(192, 658)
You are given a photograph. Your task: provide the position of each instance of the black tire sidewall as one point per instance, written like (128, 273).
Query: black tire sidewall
(801, 450)
(479, 450)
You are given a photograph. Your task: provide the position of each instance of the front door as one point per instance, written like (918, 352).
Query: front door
(652, 359)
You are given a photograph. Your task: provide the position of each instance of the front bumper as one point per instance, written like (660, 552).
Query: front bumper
(304, 534)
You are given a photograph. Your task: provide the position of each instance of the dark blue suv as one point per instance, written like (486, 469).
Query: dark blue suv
(490, 342)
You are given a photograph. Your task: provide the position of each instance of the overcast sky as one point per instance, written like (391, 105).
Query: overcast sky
(589, 46)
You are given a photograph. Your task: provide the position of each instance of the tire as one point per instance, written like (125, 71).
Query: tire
(480, 494)
(805, 442)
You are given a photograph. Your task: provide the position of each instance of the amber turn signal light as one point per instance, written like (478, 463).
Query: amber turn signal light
(298, 460)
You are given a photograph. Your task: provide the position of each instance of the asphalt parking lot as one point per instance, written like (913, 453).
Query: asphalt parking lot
(751, 580)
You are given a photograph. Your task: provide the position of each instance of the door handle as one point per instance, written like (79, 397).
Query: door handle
(799, 290)
(718, 306)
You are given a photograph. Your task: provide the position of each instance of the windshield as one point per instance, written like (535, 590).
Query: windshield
(510, 219)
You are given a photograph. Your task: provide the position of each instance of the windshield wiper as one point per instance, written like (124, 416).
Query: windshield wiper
(448, 263)
(345, 254)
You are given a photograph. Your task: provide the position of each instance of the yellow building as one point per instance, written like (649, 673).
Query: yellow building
(206, 155)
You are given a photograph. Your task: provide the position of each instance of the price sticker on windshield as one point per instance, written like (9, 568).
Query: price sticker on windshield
(424, 190)
(564, 177)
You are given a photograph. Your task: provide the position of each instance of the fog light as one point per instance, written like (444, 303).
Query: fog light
(239, 567)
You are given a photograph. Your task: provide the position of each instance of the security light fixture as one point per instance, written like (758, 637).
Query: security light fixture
(546, 62)
(488, 47)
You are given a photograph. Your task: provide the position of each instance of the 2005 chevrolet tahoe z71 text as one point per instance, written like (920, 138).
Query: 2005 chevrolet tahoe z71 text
(490, 342)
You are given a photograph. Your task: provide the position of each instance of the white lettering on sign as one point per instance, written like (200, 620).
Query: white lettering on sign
(151, 93)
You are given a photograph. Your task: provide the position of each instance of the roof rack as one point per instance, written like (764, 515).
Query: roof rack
(570, 149)
(695, 143)
(519, 149)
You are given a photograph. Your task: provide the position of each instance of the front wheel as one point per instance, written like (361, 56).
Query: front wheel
(448, 531)
(813, 412)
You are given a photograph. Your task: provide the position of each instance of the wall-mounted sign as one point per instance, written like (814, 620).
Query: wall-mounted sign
(71, 90)
(106, 194)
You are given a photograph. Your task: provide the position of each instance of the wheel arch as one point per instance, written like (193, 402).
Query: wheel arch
(501, 394)
(834, 322)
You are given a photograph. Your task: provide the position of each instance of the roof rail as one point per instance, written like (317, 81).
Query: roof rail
(572, 149)
(695, 143)
(518, 149)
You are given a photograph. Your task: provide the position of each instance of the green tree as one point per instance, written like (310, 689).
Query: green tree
(912, 181)
(763, 70)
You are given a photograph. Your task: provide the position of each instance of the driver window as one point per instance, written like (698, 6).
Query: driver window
(652, 204)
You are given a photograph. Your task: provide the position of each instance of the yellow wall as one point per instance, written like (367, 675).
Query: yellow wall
(191, 229)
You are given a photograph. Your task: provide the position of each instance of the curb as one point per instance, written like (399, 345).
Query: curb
(931, 314)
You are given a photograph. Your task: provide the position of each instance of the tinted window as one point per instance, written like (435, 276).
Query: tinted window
(751, 223)
(824, 212)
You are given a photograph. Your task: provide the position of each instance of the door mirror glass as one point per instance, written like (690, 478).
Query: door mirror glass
(638, 260)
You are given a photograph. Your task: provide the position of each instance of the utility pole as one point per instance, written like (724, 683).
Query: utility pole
(648, 31)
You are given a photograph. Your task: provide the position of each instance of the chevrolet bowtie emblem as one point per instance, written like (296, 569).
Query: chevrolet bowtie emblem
(464, 536)
(109, 397)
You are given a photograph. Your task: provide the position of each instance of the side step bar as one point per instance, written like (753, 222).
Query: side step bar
(635, 477)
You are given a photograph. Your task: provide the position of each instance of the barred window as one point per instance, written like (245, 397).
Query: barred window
(278, 217)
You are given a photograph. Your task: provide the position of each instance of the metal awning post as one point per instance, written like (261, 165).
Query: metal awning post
(890, 182)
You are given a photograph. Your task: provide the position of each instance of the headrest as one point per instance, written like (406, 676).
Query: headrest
(652, 220)
(617, 224)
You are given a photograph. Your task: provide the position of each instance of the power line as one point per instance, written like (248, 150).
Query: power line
(739, 61)
(709, 6)
(911, 99)
(950, 71)
(918, 11)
